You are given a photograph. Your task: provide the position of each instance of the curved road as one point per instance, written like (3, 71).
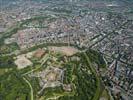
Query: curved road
(30, 87)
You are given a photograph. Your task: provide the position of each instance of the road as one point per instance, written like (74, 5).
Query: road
(112, 32)
(44, 60)
(32, 97)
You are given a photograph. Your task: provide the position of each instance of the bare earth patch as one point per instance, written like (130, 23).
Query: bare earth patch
(66, 50)
(22, 62)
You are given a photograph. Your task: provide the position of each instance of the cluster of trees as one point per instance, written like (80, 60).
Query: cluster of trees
(5, 49)
(34, 81)
(68, 73)
(13, 87)
(96, 57)
(7, 62)
(51, 92)
(85, 83)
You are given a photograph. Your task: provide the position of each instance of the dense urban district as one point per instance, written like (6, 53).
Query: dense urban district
(66, 49)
